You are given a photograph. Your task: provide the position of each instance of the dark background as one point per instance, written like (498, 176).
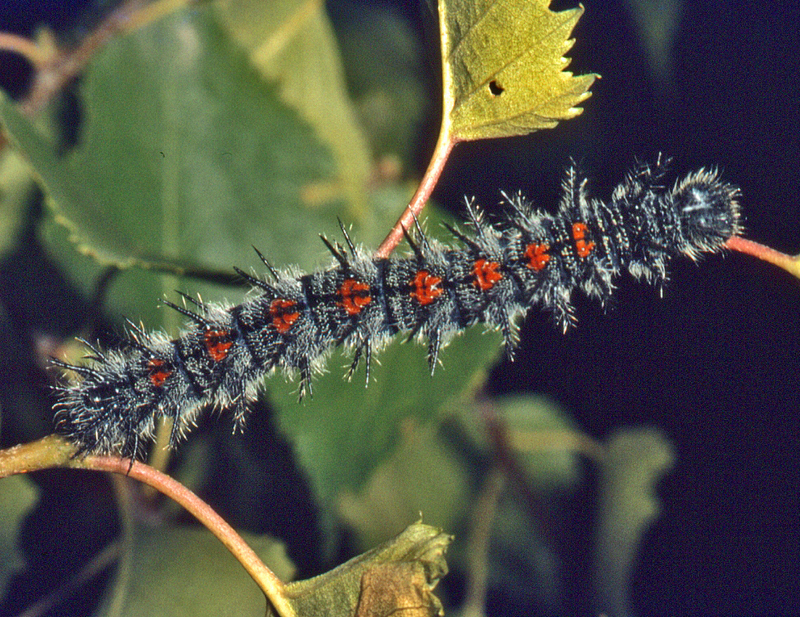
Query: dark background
(713, 363)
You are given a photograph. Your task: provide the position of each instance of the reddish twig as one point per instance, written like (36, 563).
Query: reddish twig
(64, 67)
(54, 71)
(440, 155)
(53, 451)
(790, 263)
(269, 583)
(505, 458)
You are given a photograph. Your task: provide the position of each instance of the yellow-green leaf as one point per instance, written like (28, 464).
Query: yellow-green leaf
(503, 67)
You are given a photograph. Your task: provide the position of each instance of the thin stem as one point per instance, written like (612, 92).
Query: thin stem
(62, 68)
(790, 263)
(50, 451)
(505, 457)
(53, 451)
(96, 566)
(269, 583)
(440, 155)
(25, 47)
(478, 549)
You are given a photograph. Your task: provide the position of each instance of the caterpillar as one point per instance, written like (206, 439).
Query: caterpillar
(291, 322)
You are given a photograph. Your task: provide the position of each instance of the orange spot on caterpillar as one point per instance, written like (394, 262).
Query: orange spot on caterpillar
(354, 296)
(158, 373)
(537, 256)
(218, 342)
(486, 274)
(426, 287)
(579, 235)
(283, 317)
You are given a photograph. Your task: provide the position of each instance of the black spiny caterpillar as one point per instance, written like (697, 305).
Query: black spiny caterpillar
(292, 322)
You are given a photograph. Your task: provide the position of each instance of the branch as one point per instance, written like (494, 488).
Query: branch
(790, 263)
(53, 451)
(440, 155)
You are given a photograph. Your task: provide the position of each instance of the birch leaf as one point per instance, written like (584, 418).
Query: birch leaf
(503, 67)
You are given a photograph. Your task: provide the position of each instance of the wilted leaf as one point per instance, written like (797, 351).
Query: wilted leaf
(18, 495)
(635, 461)
(394, 579)
(503, 67)
(185, 571)
(292, 43)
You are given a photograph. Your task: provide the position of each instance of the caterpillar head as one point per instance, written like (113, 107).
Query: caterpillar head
(707, 211)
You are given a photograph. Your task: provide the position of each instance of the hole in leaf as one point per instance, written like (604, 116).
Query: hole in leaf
(495, 88)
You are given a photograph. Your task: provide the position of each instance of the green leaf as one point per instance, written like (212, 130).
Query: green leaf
(56, 178)
(18, 496)
(346, 429)
(635, 461)
(16, 190)
(387, 77)
(185, 154)
(292, 44)
(545, 441)
(503, 67)
(423, 475)
(186, 571)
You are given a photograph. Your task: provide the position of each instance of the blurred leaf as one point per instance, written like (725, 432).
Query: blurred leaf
(345, 430)
(421, 476)
(187, 571)
(18, 496)
(636, 459)
(547, 449)
(292, 44)
(545, 441)
(387, 75)
(657, 23)
(523, 562)
(503, 67)
(184, 153)
(396, 578)
(16, 189)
